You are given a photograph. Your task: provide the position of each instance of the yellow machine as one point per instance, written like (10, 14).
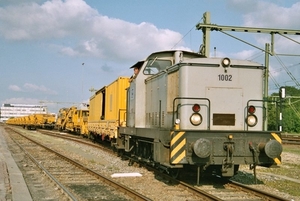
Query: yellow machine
(29, 122)
(108, 110)
(73, 119)
(61, 117)
(70, 119)
(46, 121)
(12, 121)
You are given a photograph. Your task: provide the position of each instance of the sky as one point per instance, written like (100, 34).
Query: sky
(56, 52)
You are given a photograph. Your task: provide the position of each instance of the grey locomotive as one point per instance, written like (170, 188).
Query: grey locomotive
(188, 111)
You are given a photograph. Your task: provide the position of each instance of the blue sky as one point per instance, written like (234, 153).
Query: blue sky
(43, 44)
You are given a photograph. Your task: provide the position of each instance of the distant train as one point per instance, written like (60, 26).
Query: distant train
(184, 111)
(73, 119)
(34, 121)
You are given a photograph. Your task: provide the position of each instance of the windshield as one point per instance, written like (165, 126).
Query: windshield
(155, 66)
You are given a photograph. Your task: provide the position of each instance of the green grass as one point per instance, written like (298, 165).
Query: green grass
(295, 149)
(289, 187)
(286, 169)
(292, 171)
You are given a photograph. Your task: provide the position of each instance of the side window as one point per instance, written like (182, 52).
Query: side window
(150, 70)
(154, 66)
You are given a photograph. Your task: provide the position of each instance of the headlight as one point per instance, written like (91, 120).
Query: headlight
(251, 120)
(225, 62)
(196, 119)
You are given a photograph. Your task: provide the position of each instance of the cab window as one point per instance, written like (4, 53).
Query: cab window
(154, 66)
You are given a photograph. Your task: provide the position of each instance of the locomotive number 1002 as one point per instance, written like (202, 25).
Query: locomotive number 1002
(226, 77)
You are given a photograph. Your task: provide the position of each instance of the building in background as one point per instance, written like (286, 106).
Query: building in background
(8, 110)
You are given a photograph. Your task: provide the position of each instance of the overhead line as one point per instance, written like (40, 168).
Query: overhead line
(287, 70)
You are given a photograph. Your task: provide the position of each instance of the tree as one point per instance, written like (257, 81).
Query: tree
(291, 111)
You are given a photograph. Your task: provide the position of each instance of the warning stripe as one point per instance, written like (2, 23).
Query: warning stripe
(177, 148)
(179, 158)
(178, 142)
(277, 161)
(176, 138)
(276, 137)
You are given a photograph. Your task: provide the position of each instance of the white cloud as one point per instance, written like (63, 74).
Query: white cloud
(92, 34)
(42, 88)
(118, 39)
(245, 54)
(27, 87)
(12, 2)
(269, 14)
(67, 51)
(53, 19)
(21, 101)
(14, 88)
(272, 15)
(282, 15)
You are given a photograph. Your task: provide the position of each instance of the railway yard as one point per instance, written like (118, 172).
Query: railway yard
(177, 142)
(90, 172)
(185, 126)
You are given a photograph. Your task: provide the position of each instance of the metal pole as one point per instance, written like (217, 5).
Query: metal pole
(82, 82)
(266, 85)
(282, 97)
(206, 36)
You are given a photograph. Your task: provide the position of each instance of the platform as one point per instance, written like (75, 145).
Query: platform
(12, 184)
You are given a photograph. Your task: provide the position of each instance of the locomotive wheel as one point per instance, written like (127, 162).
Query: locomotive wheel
(174, 173)
(236, 168)
(130, 163)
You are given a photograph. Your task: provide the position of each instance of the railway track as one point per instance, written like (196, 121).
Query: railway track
(197, 192)
(227, 191)
(291, 139)
(261, 194)
(74, 179)
(224, 190)
(234, 190)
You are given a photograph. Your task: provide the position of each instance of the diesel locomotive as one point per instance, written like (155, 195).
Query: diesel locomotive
(187, 111)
